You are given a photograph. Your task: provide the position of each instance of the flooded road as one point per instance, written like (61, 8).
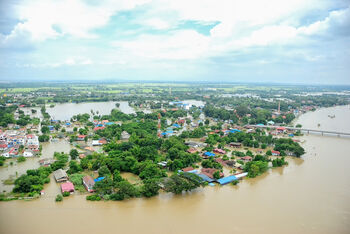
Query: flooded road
(310, 195)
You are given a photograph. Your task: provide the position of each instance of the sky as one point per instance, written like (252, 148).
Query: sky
(280, 41)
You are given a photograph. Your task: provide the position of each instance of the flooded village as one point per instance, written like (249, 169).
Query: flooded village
(167, 150)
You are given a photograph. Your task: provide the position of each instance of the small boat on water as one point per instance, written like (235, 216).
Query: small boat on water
(331, 116)
(318, 125)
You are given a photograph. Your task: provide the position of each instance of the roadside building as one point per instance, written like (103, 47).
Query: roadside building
(275, 153)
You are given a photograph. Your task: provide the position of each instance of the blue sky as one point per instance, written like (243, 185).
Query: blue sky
(293, 41)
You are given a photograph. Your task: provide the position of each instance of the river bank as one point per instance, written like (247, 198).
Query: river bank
(310, 195)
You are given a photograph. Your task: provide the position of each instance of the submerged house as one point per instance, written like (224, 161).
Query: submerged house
(220, 151)
(89, 183)
(226, 180)
(247, 158)
(236, 144)
(67, 187)
(210, 172)
(125, 135)
(60, 175)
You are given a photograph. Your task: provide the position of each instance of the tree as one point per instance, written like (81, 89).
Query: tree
(150, 187)
(74, 167)
(103, 171)
(125, 191)
(74, 154)
(44, 138)
(216, 175)
(59, 198)
(45, 129)
(21, 159)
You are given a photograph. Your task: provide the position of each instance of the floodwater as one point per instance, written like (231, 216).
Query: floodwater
(64, 111)
(310, 195)
(329, 119)
(18, 169)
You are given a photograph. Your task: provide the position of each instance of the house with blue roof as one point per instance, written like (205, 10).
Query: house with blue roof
(98, 179)
(209, 154)
(206, 178)
(226, 180)
(176, 125)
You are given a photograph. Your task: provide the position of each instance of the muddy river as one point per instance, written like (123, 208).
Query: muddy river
(310, 195)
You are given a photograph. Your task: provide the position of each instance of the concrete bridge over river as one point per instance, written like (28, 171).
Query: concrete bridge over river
(322, 132)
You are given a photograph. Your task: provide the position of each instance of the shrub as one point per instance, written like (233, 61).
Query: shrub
(65, 194)
(59, 198)
(93, 197)
(21, 159)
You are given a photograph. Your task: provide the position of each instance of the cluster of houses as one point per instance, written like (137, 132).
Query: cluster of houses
(66, 186)
(100, 125)
(14, 141)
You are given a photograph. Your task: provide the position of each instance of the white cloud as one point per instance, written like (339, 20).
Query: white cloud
(157, 23)
(47, 19)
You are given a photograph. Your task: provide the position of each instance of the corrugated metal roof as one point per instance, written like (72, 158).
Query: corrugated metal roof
(227, 179)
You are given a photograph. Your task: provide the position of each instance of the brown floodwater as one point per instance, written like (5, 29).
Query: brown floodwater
(310, 195)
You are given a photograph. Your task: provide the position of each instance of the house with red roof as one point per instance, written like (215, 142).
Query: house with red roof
(67, 187)
(247, 158)
(275, 153)
(81, 137)
(219, 151)
(191, 150)
(210, 172)
(187, 169)
(98, 128)
(89, 183)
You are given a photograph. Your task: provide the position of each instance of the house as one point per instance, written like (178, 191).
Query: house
(208, 154)
(125, 135)
(210, 172)
(98, 179)
(247, 159)
(60, 175)
(98, 128)
(81, 137)
(275, 153)
(88, 183)
(96, 143)
(191, 150)
(81, 156)
(226, 180)
(281, 129)
(27, 154)
(163, 164)
(236, 144)
(102, 141)
(3, 147)
(67, 187)
(270, 122)
(221, 161)
(220, 151)
(46, 162)
(187, 169)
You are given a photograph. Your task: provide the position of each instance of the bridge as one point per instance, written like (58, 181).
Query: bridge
(322, 132)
